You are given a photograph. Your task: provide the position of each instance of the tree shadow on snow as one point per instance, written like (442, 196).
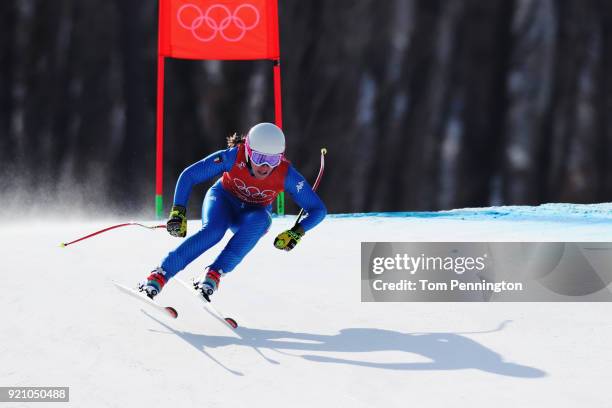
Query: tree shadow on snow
(446, 351)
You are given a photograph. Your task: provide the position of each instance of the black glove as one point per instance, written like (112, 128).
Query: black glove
(177, 222)
(287, 240)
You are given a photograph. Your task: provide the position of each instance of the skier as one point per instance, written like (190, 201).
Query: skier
(253, 171)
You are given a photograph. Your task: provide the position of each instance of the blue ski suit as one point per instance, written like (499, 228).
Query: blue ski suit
(222, 210)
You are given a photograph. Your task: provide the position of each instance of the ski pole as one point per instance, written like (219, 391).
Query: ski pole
(93, 234)
(316, 184)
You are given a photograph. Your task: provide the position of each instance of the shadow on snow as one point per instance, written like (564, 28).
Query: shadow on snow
(447, 351)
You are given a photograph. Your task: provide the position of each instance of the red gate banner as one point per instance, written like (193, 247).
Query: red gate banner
(214, 30)
(219, 29)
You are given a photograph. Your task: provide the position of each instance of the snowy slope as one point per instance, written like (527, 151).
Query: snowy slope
(306, 339)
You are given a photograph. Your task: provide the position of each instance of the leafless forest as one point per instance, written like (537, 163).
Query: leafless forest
(422, 104)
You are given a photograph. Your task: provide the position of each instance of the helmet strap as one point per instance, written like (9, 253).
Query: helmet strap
(248, 161)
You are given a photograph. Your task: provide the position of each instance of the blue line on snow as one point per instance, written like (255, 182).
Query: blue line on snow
(555, 212)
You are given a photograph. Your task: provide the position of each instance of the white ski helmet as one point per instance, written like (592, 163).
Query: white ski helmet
(266, 138)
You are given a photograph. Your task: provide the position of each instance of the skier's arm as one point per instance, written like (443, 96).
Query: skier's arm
(301, 192)
(199, 172)
(211, 166)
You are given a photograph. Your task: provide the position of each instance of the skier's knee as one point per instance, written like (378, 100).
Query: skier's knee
(213, 233)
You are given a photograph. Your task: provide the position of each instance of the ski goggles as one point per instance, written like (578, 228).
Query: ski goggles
(260, 159)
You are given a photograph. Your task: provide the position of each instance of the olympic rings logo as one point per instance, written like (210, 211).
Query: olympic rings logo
(203, 19)
(251, 191)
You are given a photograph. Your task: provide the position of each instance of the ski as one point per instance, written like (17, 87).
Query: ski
(208, 306)
(167, 310)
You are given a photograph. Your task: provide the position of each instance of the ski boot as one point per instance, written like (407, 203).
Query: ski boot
(154, 283)
(209, 284)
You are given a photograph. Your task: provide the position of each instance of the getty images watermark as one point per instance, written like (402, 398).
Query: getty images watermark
(485, 271)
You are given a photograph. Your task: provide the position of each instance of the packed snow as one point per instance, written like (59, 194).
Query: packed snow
(305, 338)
